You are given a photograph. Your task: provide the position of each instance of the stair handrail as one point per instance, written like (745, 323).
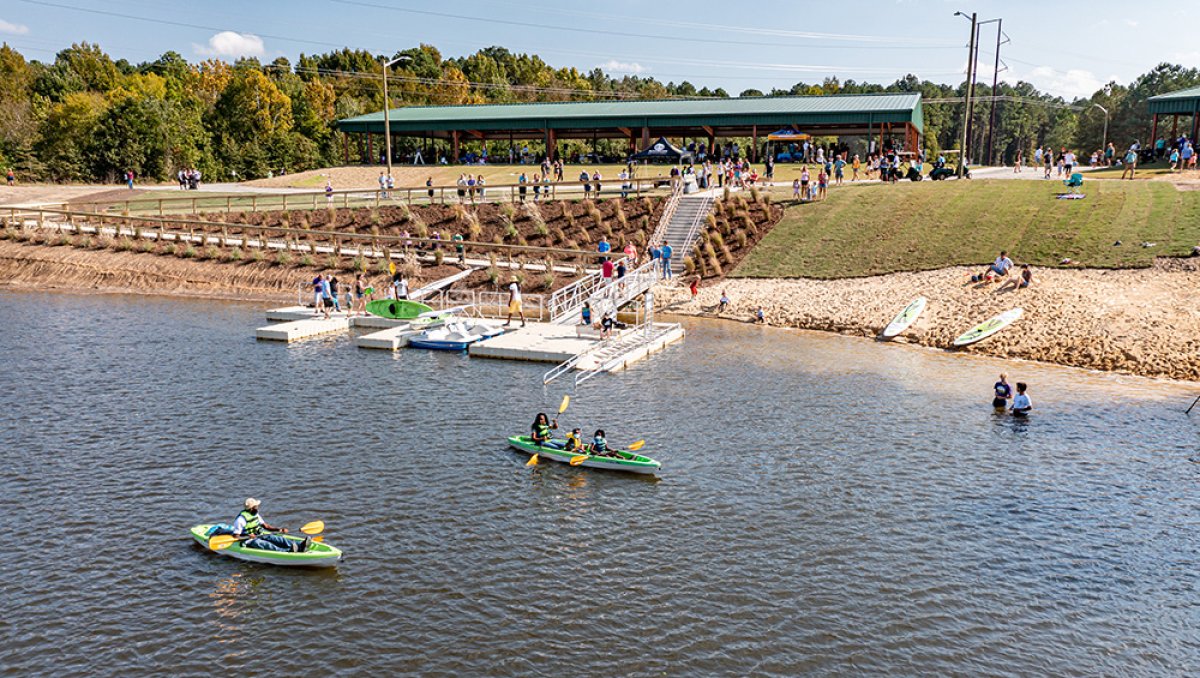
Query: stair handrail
(689, 242)
(660, 231)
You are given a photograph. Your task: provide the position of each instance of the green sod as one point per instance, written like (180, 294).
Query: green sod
(876, 229)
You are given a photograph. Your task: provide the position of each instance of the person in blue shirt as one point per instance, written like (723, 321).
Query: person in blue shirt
(665, 252)
(603, 248)
(1001, 392)
(839, 170)
(585, 316)
(599, 445)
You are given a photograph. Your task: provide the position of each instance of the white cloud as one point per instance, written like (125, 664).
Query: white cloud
(231, 44)
(1069, 84)
(15, 29)
(614, 66)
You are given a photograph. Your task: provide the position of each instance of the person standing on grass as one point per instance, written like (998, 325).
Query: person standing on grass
(383, 186)
(1017, 163)
(804, 183)
(796, 189)
(514, 302)
(1068, 161)
(839, 170)
(1048, 163)
(391, 184)
(1187, 155)
(854, 167)
(1130, 163)
(1109, 154)
(822, 184)
(129, 179)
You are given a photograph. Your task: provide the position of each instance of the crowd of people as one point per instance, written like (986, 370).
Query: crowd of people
(999, 271)
(189, 178)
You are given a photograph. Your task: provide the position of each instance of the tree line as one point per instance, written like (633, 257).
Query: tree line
(88, 117)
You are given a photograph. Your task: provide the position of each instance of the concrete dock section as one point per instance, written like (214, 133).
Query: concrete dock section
(302, 329)
(391, 339)
(539, 342)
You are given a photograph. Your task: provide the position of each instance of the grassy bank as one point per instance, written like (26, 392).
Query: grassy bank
(876, 229)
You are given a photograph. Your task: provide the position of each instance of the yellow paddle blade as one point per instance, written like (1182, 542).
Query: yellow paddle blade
(576, 461)
(532, 461)
(319, 540)
(566, 401)
(392, 267)
(315, 527)
(222, 541)
(637, 446)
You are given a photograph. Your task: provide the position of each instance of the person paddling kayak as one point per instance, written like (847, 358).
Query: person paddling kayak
(1002, 392)
(541, 434)
(248, 522)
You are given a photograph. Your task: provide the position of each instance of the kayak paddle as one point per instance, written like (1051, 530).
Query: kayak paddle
(634, 447)
(561, 408)
(532, 460)
(576, 461)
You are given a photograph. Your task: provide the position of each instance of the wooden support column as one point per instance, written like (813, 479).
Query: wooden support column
(712, 140)
(1174, 126)
(1154, 131)
(754, 143)
(551, 144)
(345, 149)
(454, 146)
(370, 150)
(645, 137)
(1195, 127)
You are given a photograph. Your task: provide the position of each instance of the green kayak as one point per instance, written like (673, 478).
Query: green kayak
(318, 554)
(620, 461)
(397, 309)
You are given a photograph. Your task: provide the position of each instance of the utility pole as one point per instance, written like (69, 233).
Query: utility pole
(387, 104)
(962, 157)
(995, 90)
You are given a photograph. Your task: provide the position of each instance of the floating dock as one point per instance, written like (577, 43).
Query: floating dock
(538, 342)
(296, 330)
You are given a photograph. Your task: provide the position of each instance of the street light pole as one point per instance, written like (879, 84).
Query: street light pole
(962, 153)
(387, 105)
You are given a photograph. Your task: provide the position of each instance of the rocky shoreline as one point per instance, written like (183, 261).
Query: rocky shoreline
(1140, 321)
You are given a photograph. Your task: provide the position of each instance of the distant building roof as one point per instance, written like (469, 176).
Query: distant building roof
(769, 112)
(1184, 101)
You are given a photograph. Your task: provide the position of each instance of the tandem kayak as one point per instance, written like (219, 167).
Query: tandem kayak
(623, 461)
(318, 554)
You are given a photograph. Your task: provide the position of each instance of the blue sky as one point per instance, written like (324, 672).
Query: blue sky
(1068, 47)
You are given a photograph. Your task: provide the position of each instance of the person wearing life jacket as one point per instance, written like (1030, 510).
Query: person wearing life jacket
(574, 441)
(541, 435)
(250, 523)
(599, 445)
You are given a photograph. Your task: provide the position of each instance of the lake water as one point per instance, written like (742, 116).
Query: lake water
(826, 505)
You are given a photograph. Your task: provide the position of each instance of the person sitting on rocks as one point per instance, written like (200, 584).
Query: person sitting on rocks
(721, 307)
(999, 269)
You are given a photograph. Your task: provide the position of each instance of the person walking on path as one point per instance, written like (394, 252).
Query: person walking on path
(329, 192)
(1130, 163)
(326, 296)
(666, 253)
(514, 302)
(129, 179)
(10, 177)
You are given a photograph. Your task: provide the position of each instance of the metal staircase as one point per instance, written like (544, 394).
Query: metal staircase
(683, 228)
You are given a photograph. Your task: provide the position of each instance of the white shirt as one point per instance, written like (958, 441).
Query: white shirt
(1002, 263)
(1069, 158)
(1021, 402)
(401, 287)
(515, 290)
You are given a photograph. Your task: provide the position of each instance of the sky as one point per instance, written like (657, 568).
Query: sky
(1069, 48)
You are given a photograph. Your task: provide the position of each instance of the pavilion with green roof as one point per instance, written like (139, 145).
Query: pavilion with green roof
(1185, 102)
(641, 121)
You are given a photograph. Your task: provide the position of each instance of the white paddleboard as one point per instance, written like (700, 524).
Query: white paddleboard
(906, 318)
(989, 327)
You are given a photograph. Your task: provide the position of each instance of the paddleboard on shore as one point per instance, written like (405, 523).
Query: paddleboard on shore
(397, 309)
(989, 327)
(906, 318)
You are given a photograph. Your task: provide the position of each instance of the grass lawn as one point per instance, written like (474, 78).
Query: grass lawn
(875, 229)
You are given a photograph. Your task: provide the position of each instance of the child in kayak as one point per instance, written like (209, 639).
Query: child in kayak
(1021, 403)
(599, 446)
(541, 435)
(248, 522)
(574, 441)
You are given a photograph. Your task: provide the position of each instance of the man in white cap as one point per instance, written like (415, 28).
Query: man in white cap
(248, 522)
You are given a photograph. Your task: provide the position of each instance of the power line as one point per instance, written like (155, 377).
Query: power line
(575, 29)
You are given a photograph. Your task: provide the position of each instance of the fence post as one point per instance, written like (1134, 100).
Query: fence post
(254, 203)
(285, 202)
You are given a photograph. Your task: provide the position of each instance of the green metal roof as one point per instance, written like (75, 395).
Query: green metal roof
(1184, 101)
(865, 109)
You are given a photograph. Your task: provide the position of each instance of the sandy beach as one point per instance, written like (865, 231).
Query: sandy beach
(1141, 321)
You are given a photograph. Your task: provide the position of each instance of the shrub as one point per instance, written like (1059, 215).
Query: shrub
(381, 265)
(725, 193)
(701, 268)
(422, 230)
(498, 239)
(438, 257)
(258, 255)
(689, 266)
(754, 194)
(418, 224)
(142, 245)
(285, 219)
(647, 205)
(359, 264)
(715, 267)
(585, 237)
(570, 245)
(726, 254)
(741, 239)
(510, 229)
(306, 260)
(493, 274)
(709, 251)
(8, 233)
(557, 235)
(333, 261)
(548, 281)
(569, 216)
(717, 240)
(597, 218)
(508, 211)
(234, 254)
(711, 221)
(84, 242)
(211, 252)
(188, 252)
(644, 224)
(284, 258)
(406, 214)
(749, 224)
(103, 242)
